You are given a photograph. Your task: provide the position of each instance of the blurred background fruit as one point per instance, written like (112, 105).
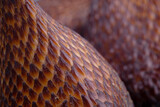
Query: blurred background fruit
(127, 34)
(71, 13)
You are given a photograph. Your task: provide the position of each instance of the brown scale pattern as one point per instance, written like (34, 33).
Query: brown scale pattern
(43, 63)
(127, 34)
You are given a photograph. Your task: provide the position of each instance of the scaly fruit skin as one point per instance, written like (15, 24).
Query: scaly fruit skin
(71, 13)
(126, 33)
(43, 63)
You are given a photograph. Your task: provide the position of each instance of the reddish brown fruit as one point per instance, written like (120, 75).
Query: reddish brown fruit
(72, 13)
(126, 33)
(46, 64)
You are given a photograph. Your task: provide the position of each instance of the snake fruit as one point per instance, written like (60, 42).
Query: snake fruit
(127, 34)
(43, 63)
(71, 13)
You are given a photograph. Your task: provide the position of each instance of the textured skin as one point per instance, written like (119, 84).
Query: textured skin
(72, 13)
(127, 34)
(43, 63)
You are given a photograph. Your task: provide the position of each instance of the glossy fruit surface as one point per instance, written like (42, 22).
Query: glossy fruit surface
(43, 63)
